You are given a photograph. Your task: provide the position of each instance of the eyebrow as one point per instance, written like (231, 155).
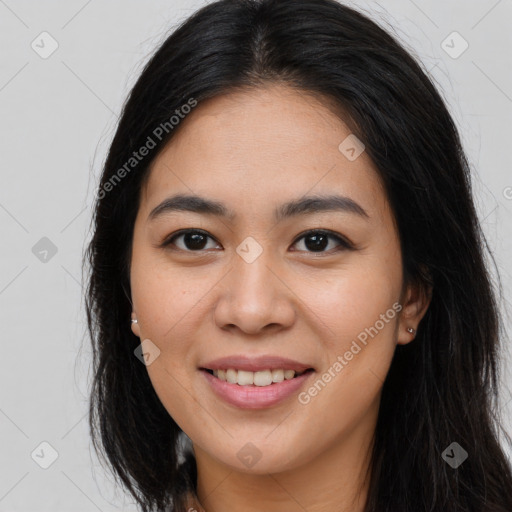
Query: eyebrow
(302, 206)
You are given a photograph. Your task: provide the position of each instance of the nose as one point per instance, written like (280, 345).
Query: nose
(255, 298)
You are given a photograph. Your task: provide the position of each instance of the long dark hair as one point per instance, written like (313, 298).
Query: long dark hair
(441, 388)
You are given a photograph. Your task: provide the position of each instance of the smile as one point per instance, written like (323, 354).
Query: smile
(255, 390)
(260, 378)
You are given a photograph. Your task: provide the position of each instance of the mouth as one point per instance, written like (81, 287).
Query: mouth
(261, 389)
(262, 378)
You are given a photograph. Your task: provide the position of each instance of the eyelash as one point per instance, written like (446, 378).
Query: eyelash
(344, 244)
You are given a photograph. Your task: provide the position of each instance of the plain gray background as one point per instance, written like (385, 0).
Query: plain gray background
(58, 114)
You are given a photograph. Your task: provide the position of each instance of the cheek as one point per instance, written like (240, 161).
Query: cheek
(361, 314)
(168, 300)
(347, 304)
(357, 313)
(168, 304)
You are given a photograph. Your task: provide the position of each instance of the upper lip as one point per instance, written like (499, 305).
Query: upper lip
(256, 364)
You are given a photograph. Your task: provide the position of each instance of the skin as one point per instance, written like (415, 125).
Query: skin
(254, 150)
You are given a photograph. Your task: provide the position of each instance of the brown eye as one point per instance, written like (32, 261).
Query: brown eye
(315, 241)
(318, 241)
(191, 240)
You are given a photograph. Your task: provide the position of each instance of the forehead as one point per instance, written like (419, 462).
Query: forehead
(257, 143)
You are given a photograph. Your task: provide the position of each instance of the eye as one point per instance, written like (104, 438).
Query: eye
(318, 241)
(195, 240)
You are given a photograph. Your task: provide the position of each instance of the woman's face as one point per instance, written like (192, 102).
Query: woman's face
(257, 287)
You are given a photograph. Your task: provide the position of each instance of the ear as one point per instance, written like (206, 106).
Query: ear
(416, 300)
(135, 327)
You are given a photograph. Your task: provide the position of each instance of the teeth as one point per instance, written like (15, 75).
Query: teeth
(263, 378)
(277, 375)
(289, 374)
(232, 376)
(245, 378)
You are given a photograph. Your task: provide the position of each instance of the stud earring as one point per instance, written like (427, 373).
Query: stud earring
(411, 330)
(134, 321)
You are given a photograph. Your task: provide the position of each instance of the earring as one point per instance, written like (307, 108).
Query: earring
(411, 330)
(134, 321)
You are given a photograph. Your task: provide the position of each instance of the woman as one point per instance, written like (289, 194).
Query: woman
(287, 272)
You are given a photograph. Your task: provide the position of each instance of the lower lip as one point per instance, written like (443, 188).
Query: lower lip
(255, 397)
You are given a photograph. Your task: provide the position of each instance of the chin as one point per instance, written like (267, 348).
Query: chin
(252, 460)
